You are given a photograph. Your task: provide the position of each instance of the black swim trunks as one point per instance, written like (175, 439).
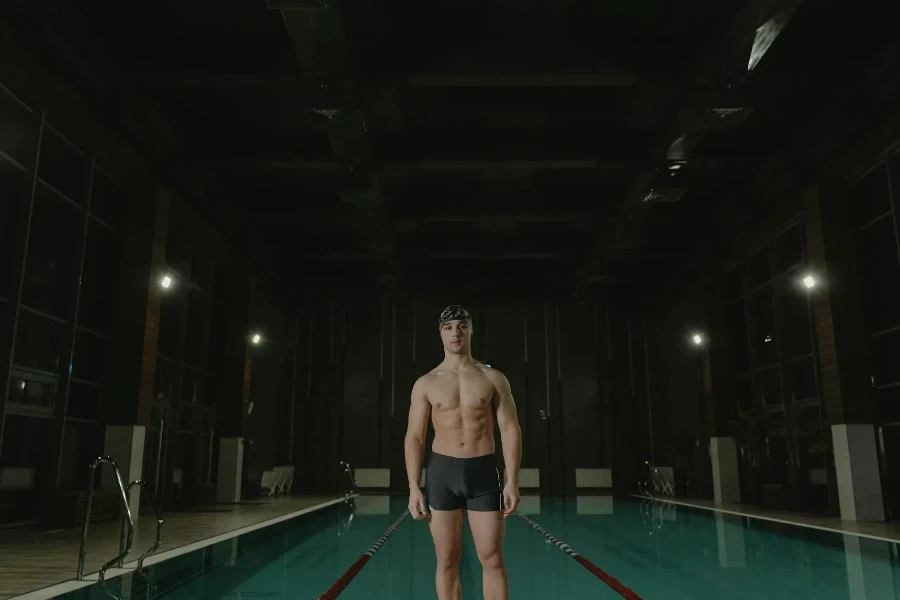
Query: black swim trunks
(472, 483)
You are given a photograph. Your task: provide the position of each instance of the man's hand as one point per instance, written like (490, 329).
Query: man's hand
(417, 507)
(510, 499)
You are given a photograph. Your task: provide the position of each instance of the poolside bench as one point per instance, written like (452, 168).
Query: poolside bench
(277, 481)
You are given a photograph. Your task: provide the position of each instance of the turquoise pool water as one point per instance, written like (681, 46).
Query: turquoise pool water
(659, 550)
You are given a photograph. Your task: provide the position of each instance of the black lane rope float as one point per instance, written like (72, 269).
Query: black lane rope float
(608, 579)
(344, 580)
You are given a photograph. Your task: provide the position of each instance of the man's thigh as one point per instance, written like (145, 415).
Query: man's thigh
(446, 531)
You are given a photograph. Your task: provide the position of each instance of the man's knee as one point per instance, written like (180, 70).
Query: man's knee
(491, 559)
(448, 558)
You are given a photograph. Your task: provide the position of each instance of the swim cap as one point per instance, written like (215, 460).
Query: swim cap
(455, 312)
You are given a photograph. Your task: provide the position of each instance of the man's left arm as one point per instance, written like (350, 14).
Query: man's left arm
(511, 439)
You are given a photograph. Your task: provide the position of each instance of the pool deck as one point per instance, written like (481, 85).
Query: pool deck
(889, 532)
(35, 560)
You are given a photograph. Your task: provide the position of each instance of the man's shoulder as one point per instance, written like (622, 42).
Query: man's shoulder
(426, 379)
(496, 376)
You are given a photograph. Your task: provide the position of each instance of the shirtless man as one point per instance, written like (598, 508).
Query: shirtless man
(462, 396)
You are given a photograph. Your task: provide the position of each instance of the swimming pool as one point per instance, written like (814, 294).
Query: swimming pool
(657, 549)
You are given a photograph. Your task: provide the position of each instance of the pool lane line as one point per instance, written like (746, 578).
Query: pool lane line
(608, 579)
(344, 580)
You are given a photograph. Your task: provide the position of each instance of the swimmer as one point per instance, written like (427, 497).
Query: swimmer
(462, 396)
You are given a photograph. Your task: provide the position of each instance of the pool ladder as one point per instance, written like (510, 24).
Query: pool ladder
(127, 537)
(346, 467)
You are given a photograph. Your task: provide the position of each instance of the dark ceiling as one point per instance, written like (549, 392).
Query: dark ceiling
(567, 142)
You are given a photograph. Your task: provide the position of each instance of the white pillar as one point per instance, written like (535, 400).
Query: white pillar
(858, 478)
(730, 539)
(726, 484)
(125, 445)
(231, 466)
(868, 578)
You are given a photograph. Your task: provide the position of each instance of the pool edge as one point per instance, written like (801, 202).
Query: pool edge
(72, 585)
(770, 519)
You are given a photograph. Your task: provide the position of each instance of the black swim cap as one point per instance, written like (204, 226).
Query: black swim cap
(455, 312)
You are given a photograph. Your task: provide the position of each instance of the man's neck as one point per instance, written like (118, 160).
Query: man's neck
(455, 361)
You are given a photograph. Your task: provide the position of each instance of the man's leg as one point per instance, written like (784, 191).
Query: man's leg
(446, 530)
(488, 528)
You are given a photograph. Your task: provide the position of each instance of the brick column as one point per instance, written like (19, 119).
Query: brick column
(154, 307)
(843, 350)
(128, 400)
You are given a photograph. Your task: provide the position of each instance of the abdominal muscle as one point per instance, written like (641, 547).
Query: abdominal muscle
(463, 432)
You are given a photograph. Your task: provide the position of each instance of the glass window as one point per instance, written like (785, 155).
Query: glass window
(107, 200)
(775, 470)
(32, 391)
(879, 271)
(63, 166)
(82, 443)
(17, 123)
(178, 246)
(744, 392)
(12, 186)
(5, 331)
(759, 268)
(216, 352)
(737, 335)
(197, 334)
(769, 385)
(25, 442)
(171, 325)
(762, 326)
(39, 343)
(220, 283)
(84, 400)
(89, 357)
(53, 246)
(889, 404)
(886, 357)
(211, 394)
(99, 278)
(869, 196)
(787, 250)
(734, 283)
(795, 337)
(800, 380)
(165, 387)
(191, 387)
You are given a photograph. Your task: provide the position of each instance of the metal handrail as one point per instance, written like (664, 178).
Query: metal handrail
(349, 471)
(159, 524)
(79, 575)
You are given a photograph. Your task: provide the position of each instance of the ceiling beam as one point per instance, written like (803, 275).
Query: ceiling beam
(473, 75)
(404, 168)
(690, 121)
(322, 46)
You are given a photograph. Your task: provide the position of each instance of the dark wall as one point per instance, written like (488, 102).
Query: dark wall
(352, 397)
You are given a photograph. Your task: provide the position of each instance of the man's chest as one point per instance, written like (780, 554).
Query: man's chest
(451, 390)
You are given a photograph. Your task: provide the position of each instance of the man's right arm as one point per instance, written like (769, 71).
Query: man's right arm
(416, 430)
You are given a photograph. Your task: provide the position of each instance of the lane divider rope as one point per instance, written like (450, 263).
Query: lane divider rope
(608, 579)
(344, 580)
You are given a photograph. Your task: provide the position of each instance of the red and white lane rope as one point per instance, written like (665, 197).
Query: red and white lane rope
(344, 580)
(608, 579)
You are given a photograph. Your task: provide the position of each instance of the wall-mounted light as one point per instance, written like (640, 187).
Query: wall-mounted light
(256, 339)
(698, 339)
(809, 281)
(166, 282)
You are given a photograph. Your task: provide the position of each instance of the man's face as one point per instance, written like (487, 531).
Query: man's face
(456, 336)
